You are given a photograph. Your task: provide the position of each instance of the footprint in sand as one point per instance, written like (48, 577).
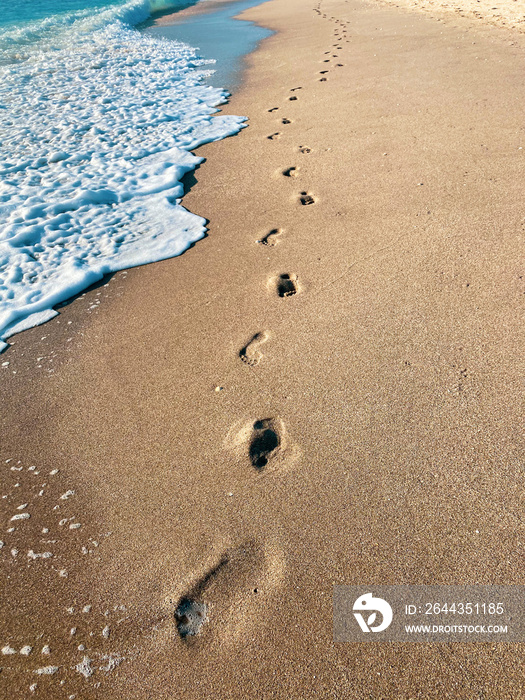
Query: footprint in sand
(286, 121)
(292, 98)
(272, 238)
(274, 137)
(291, 172)
(304, 149)
(273, 109)
(286, 285)
(265, 442)
(190, 616)
(323, 80)
(322, 72)
(221, 604)
(191, 612)
(296, 88)
(250, 353)
(306, 199)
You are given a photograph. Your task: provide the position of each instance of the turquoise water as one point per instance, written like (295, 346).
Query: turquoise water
(219, 36)
(23, 11)
(47, 24)
(17, 12)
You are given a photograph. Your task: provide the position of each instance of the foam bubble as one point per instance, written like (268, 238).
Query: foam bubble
(91, 183)
(84, 667)
(47, 670)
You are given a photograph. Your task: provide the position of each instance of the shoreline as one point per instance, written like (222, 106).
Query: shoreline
(172, 18)
(220, 35)
(385, 364)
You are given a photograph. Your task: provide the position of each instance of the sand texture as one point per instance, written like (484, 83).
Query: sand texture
(326, 390)
(509, 14)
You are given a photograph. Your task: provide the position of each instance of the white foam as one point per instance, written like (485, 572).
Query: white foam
(35, 555)
(91, 183)
(84, 667)
(113, 660)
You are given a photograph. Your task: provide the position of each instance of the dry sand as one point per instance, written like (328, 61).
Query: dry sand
(509, 14)
(392, 379)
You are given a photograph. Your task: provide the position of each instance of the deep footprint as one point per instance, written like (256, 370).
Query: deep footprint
(190, 616)
(271, 238)
(274, 137)
(265, 442)
(250, 353)
(286, 121)
(306, 199)
(287, 285)
(304, 149)
(235, 568)
(291, 172)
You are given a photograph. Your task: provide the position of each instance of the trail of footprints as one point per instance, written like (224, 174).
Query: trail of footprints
(340, 34)
(263, 443)
(264, 446)
(286, 284)
(221, 589)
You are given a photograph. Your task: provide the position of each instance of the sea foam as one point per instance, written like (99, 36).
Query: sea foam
(96, 132)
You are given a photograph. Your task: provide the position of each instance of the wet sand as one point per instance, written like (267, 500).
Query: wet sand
(197, 9)
(326, 390)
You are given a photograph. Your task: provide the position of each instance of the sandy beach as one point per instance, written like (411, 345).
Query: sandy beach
(326, 390)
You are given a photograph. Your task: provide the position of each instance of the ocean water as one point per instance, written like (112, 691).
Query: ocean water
(219, 36)
(97, 125)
